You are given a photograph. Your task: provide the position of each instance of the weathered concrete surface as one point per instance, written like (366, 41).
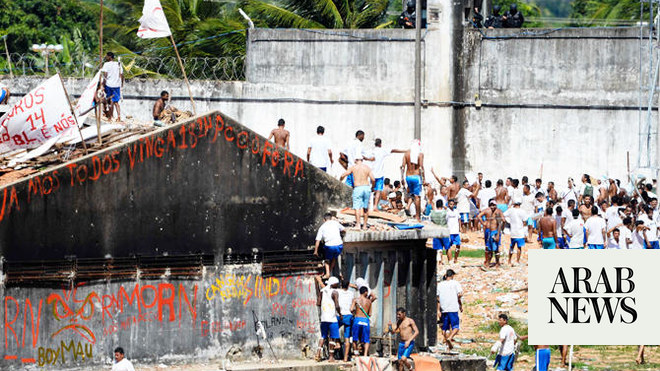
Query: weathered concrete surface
(205, 185)
(158, 320)
(401, 274)
(567, 99)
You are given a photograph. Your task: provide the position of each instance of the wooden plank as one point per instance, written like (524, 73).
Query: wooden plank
(377, 214)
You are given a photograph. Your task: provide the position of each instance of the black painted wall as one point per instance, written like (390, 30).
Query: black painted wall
(198, 187)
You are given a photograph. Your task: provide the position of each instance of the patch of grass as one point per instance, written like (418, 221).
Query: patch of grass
(471, 253)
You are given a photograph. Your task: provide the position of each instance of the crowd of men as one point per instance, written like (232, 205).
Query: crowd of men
(597, 214)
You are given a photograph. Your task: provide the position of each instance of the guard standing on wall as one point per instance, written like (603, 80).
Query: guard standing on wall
(408, 16)
(495, 20)
(477, 18)
(513, 18)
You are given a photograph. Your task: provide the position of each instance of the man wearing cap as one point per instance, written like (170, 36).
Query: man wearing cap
(330, 309)
(449, 304)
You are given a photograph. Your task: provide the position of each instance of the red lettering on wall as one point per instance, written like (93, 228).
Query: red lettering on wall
(267, 146)
(163, 301)
(288, 162)
(299, 167)
(96, 168)
(9, 323)
(242, 144)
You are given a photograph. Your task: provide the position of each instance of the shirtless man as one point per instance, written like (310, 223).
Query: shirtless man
(585, 208)
(493, 226)
(413, 167)
(159, 107)
(547, 229)
(280, 135)
(612, 190)
(408, 331)
(552, 192)
(361, 309)
(363, 179)
(501, 196)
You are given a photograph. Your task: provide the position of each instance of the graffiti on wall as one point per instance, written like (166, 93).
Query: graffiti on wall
(59, 327)
(212, 129)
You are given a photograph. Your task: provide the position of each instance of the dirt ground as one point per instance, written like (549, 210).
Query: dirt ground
(490, 292)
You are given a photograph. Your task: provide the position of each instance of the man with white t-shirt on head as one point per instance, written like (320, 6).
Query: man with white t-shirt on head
(449, 293)
(574, 230)
(596, 229)
(517, 218)
(319, 153)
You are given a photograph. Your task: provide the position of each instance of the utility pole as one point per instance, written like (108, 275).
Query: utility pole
(418, 69)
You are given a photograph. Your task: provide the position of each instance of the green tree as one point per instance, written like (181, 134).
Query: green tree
(194, 23)
(608, 12)
(318, 13)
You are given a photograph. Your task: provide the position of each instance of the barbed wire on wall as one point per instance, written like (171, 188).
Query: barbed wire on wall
(135, 66)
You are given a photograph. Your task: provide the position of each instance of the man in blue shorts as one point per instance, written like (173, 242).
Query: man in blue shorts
(493, 226)
(113, 80)
(453, 225)
(506, 355)
(439, 217)
(330, 233)
(449, 304)
(363, 178)
(329, 313)
(361, 308)
(408, 331)
(413, 168)
(547, 229)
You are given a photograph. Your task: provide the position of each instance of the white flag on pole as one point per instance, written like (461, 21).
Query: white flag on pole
(86, 101)
(40, 116)
(153, 23)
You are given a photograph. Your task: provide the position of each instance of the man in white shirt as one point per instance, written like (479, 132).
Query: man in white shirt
(113, 80)
(330, 311)
(538, 187)
(319, 153)
(574, 230)
(596, 229)
(351, 153)
(449, 304)
(463, 205)
(121, 363)
(638, 236)
(570, 193)
(517, 218)
(527, 205)
(652, 228)
(506, 355)
(378, 167)
(330, 233)
(485, 195)
(453, 225)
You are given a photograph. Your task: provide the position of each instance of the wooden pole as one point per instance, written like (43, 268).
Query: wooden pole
(11, 74)
(97, 114)
(184, 75)
(101, 35)
(73, 112)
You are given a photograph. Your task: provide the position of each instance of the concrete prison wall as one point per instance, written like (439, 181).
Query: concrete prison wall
(567, 99)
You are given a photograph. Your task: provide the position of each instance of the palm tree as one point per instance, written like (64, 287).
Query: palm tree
(195, 25)
(318, 13)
